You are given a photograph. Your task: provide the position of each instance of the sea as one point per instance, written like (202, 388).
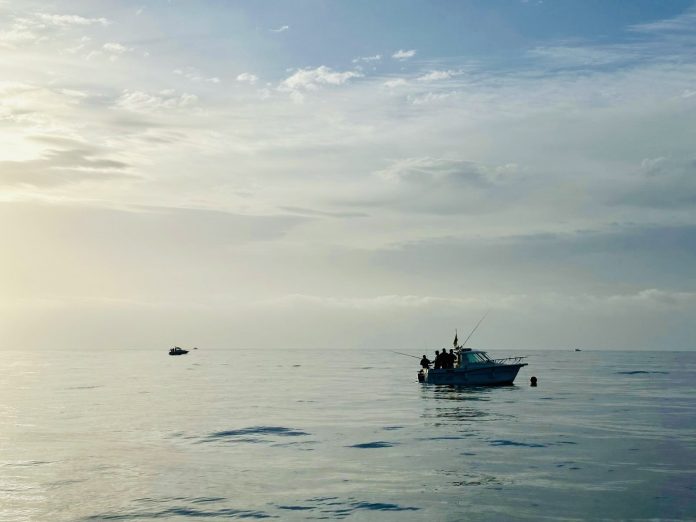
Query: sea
(295, 434)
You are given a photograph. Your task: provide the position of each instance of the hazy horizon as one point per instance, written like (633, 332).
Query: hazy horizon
(348, 174)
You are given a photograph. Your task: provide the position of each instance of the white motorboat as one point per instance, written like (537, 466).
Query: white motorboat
(474, 368)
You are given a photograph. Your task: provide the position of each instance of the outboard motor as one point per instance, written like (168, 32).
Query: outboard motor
(421, 376)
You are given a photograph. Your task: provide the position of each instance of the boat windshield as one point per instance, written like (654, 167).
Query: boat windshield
(476, 358)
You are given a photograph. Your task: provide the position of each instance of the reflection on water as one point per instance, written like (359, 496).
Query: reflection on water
(455, 404)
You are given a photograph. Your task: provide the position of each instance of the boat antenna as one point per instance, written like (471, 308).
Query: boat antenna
(475, 327)
(406, 354)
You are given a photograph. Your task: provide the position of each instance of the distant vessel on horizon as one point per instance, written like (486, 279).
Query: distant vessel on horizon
(177, 351)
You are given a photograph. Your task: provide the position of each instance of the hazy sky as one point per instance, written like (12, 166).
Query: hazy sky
(348, 173)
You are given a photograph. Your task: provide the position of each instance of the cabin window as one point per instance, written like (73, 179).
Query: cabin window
(471, 358)
(476, 358)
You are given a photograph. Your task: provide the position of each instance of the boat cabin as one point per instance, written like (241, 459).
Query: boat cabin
(469, 357)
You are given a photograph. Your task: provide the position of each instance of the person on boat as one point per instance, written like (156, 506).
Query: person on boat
(438, 360)
(444, 360)
(425, 362)
(452, 358)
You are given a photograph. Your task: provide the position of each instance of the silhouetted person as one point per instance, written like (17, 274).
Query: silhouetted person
(425, 362)
(438, 360)
(445, 359)
(533, 381)
(452, 358)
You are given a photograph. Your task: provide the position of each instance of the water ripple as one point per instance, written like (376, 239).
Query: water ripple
(253, 434)
(515, 443)
(181, 510)
(375, 444)
(333, 507)
(640, 372)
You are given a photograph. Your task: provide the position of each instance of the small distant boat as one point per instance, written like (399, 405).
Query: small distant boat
(177, 351)
(578, 350)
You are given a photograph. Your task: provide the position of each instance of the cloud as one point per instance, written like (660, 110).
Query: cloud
(567, 56)
(438, 186)
(396, 82)
(313, 79)
(63, 166)
(428, 170)
(578, 261)
(382, 302)
(650, 298)
(39, 27)
(660, 182)
(281, 29)
(321, 213)
(63, 20)
(401, 54)
(246, 77)
(367, 59)
(113, 49)
(660, 41)
(79, 46)
(139, 101)
(193, 74)
(683, 23)
(438, 75)
(432, 97)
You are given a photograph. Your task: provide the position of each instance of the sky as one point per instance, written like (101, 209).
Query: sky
(348, 174)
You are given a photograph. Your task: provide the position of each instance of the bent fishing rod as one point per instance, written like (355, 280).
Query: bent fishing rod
(475, 327)
(406, 354)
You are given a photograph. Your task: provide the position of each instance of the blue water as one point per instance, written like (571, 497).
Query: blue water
(343, 435)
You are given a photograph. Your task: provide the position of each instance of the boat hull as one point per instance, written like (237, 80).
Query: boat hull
(488, 376)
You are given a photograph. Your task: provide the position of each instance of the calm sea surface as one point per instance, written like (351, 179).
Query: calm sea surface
(309, 434)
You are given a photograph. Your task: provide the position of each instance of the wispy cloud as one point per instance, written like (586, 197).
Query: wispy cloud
(139, 101)
(396, 82)
(402, 54)
(367, 59)
(305, 80)
(281, 29)
(433, 76)
(246, 77)
(63, 166)
(193, 74)
(39, 27)
(63, 20)
(683, 23)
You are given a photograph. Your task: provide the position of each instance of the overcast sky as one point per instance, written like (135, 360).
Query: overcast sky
(348, 174)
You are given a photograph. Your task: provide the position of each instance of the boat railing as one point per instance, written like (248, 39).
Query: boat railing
(508, 360)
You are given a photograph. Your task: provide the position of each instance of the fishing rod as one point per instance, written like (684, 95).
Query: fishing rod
(406, 354)
(475, 327)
